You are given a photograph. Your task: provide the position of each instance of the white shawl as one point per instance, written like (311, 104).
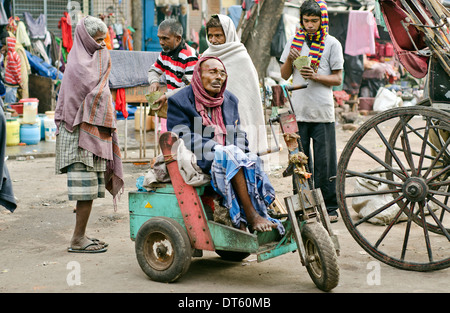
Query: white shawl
(243, 83)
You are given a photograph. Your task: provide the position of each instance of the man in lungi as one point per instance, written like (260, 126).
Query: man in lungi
(87, 146)
(205, 115)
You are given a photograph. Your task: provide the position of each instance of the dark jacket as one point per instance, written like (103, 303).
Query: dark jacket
(184, 120)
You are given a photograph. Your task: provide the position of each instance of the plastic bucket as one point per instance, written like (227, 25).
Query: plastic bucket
(18, 108)
(30, 133)
(30, 110)
(12, 132)
(50, 129)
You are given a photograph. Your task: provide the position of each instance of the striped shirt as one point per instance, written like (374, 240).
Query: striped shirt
(12, 66)
(177, 65)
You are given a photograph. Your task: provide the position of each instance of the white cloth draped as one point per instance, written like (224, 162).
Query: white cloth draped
(243, 83)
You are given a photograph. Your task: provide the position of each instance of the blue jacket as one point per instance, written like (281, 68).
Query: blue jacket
(184, 120)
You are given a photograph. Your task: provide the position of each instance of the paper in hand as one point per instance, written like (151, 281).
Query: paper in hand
(153, 96)
(302, 61)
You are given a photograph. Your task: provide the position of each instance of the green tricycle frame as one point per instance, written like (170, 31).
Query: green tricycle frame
(172, 223)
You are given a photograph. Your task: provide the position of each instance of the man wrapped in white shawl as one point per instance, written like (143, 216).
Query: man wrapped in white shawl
(242, 82)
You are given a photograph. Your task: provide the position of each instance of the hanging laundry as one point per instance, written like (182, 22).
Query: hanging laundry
(194, 4)
(12, 24)
(65, 24)
(36, 27)
(3, 15)
(127, 39)
(121, 103)
(38, 49)
(22, 34)
(247, 5)
(361, 32)
(64, 52)
(19, 30)
(278, 98)
(54, 51)
(108, 41)
(112, 33)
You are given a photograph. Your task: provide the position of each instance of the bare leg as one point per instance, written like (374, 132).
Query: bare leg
(79, 239)
(255, 220)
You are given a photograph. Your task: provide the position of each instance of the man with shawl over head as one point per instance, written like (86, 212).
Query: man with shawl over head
(205, 115)
(243, 82)
(314, 106)
(87, 146)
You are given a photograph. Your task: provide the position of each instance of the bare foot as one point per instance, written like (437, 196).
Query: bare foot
(261, 224)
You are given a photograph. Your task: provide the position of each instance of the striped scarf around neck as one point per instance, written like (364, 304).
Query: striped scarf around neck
(317, 39)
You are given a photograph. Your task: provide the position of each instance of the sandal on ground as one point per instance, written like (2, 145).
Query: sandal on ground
(333, 218)
(85, 250)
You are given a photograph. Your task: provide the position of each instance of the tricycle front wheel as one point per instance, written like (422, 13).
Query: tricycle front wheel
(321, 256)
(163, 249)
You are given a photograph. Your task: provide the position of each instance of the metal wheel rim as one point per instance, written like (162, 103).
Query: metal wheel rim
(313, 256)
(159, 251)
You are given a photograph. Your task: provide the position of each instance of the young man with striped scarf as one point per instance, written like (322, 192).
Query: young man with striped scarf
(314, 106)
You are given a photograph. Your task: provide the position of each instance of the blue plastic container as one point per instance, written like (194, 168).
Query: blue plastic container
(42, 118)
(30, 133)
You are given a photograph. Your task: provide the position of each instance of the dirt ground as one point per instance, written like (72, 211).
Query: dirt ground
(34, 239)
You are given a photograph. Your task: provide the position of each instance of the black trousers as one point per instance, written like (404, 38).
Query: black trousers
(321, 137)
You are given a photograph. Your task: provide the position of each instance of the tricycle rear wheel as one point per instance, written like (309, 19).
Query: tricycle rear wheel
(163, 249)
(321, 255)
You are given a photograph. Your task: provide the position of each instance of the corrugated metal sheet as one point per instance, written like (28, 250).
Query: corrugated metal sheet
(52, 9)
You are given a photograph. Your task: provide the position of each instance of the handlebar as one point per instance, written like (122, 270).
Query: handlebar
(270, 150)
(296, 87)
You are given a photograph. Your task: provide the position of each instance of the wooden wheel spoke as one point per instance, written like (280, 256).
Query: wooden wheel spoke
(442, 205)
(424, 145)
(391, 224)
(407, 232)
(407, 146)
(438, 174)
(438, 222)
(391, 151)
(381, 162)
(375, 178)
(425, 232)
(381, 209)
(373, 193)
(436, 159)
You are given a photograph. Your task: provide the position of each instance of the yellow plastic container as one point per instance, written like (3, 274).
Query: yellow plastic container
(12, 132)
(147, 122)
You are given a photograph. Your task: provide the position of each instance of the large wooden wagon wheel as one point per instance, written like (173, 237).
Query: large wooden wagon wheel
(393, 187)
